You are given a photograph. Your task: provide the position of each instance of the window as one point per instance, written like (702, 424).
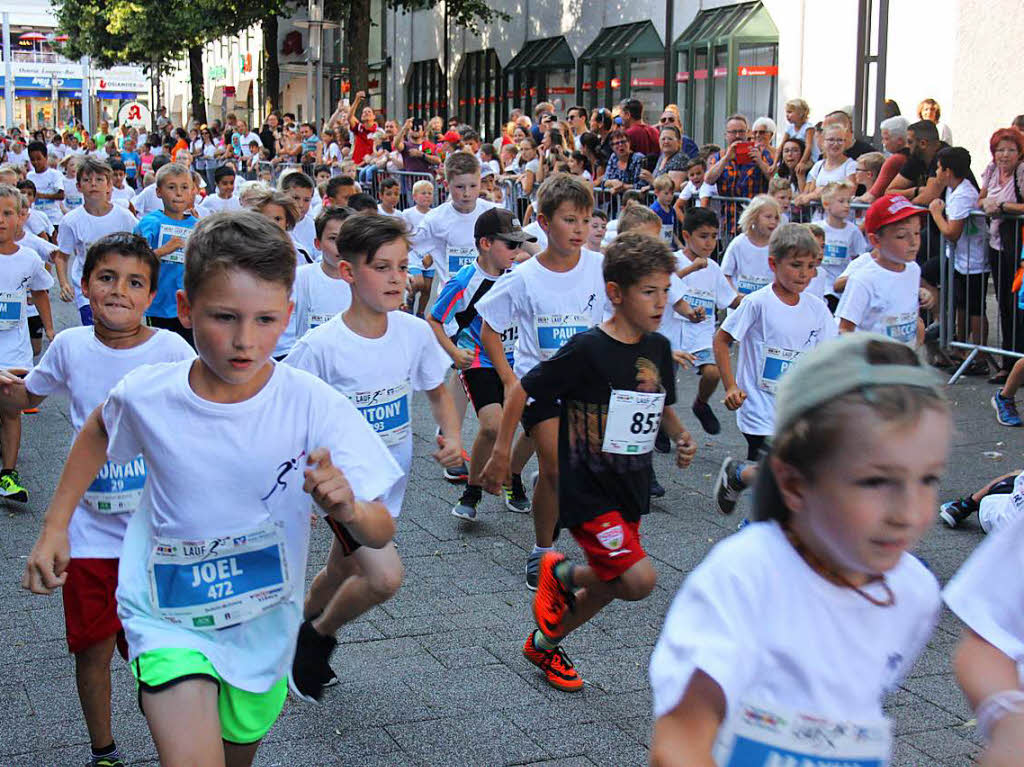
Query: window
(426, 90)
(757, 81)
(479, 89)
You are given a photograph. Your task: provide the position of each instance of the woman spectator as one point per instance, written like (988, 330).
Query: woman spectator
(624, 167)
(790, 166)
(672, 160)
(204, 145)
(519, 134)
(180, 143)
(528, 168)
(508, 134)
(930, 110)
(833, 166)
(1002, 198)
(763, 133)
(590, 145)
(896, 145)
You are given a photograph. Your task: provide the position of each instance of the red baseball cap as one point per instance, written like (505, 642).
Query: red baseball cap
(889, 209)
(452, 137)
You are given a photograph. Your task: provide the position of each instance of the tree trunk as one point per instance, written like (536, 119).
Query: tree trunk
(357, 43)
(195, 76)
(271, 66)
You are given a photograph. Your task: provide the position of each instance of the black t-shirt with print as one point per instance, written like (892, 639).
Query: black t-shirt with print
(581, 376)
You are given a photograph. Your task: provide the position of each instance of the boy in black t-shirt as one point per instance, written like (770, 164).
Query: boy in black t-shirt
(608, 381)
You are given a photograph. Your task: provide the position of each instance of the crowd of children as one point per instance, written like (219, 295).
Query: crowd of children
(266, 345)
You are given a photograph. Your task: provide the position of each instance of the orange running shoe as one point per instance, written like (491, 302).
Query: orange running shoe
(30, 411)
(555, 664)
(552, 600)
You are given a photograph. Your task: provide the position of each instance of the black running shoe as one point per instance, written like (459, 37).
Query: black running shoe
(311, 669)
(955, 512)
(727, 487)
(708, 420)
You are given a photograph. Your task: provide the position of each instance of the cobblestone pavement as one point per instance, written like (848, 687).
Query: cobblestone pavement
(436, 676)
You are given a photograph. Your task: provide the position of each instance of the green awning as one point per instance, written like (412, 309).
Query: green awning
(717, 26)
(639, 40)
(551, 53)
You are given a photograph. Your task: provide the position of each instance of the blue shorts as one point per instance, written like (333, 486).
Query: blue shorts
(704, 357)
(424, 272)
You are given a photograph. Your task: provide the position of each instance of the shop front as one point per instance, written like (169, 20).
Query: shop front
(45, 101)
(426, 90)
(479, 93)
(544, 70)
(624, 61)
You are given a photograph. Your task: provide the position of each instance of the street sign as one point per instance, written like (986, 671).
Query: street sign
(134, 114)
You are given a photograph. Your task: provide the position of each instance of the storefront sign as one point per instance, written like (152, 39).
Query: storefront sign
(587, 87)
(616, 83)
(721, 71)
(217, 73)
(682, 77)
(700, 74)
(117, 83)
(48, 81)
(229, 91)
(134, 114)
(563, 91)
(647, 82)
(758, 71)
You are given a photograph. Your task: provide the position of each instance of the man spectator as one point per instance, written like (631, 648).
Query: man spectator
(161, 118)
(543, 119)
(643, 138)
(577, 118)
(601, 126)
(362, 128)
(854, 147)
(917, 178)
(418, 156)
(894, 141)
(740, 171)
(245, 138)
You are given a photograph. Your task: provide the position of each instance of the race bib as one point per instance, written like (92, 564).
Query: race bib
(316, 319)
(387, 411)
(667, 230)
(703, 299)
(508, 340)
(553, 330)
(220, 582)
(72, 201)
(776, 362)
(777, 737)
(835, 255)
(633, 421)
(748, 283)
(902, 327)
(12, 309)
(459, 257)
(117, 489)
(49, 207)
(169, 232)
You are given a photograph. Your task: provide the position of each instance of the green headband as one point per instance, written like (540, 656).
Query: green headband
(839, 366)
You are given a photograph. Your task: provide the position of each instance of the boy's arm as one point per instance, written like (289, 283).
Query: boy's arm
(490, 339)
(442, 406)
(685, 735)
(170, 246)
(951, 228)
(846, 326)
(496, 469)
(369, 521)
(41, 300)
(46, 565)
(734, 396)
(984, 670)
(13, 393)
(686, 448)
(60, 260)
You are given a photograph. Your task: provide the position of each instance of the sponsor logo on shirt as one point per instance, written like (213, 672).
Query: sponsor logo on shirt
(611, 538)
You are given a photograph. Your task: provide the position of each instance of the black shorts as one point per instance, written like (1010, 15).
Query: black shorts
(536, 412)
(35, 327)
(483, 387)
(757, 446)
(969, 292)
(172, 323)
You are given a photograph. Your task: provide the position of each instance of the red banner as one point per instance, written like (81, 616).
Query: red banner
(565, 91)
(721, 71)
(700, 74)
(758, 71)
(682, 77)
(616, 83)
(647, 82)
(587, 86)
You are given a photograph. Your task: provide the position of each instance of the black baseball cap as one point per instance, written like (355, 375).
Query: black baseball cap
(500, 224)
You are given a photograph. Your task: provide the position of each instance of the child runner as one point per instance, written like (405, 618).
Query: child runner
(299, 187)
(821, 285)
(49, 183)
(745, 264)
(843, 240)
(376, 356)
(44, 249)
(598, 227)
(119, 275)
(705, 289)
(774, 325)
(389, 194)
(997, 504)
(83, 226)
(167, 231)
(550, 298)
(882, 295)
(339, 189)
(225, 198)
(320, 291)
(421, 270)
(72, 194)
(21, 274)
(780, 190)
(37, 223)
(664, 195)
(456, 324)
(120, 193)
(210, 602)
(801, 623)
(615, 388)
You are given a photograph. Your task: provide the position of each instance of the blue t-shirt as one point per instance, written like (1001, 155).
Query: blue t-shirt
(131, 163)
(668, 217)
(158, 228)
(455, 308)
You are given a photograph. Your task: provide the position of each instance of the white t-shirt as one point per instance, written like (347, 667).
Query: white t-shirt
(20, 273)
(841, 247)
(79, 230)
(407, 358)
(214, 203)
(413, 217)
(50, 181)
(39, 223)
(548, 307)
(772, 335)
(689, 191)
(705, 287)
(858, 263)
(987, 592)
(304, 235)
(122, 196)
(396, 213)
(971, 250)
(998, 510)
(883, 301)
(72, 197)
(777, 637)
(447, 235)
(246, 139)
(821, 176)
(534, 229)
(146, 201)
(81, 367)
(317, 297)
(746, 265)
(248, 457)
(41, 248)
(18, 159)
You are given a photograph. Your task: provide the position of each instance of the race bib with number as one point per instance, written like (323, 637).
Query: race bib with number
(633, 421)
(169, 232)
(508, 340)
(902, 327)
(667, 230)
(316, 319)
(776, 737)
(702, 299)
(459, 257)
(835, 254)
(12, 309)
(220, 582)
(748, 283)
(387, 411)
(117, 489)
(776, 362)
(554, 330)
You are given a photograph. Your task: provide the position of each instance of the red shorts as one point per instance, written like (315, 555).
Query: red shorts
(612, 544)
(90, 607)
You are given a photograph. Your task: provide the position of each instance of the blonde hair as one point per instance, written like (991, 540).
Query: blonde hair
(779, 184)
(816, 230)
(873, 161)
(635, 215)
(10, 170)
(250, 191)
(799, 106)
(835, 187)
(422, 185)
(756, 207)
(663, 182)
(9, 192)
(260, 200)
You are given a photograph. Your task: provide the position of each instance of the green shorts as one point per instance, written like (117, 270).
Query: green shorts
(245, 717)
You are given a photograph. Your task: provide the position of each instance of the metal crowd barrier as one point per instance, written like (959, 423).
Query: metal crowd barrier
(406, 179)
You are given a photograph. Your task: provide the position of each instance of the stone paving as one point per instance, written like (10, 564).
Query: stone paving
(436, 676)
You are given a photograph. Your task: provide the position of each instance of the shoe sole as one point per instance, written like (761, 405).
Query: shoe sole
(948, 519)
(517, 510)
(999, 417)
(556, 685)
(456, 479)
(294, 689)
(16, 497)
(331, 682)
(720, 481)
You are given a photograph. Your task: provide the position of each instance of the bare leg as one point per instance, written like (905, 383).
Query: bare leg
(594, 594)
(545, 497)
(489, 418)
(239, 755)
(1014, 380)
(458, 392)
(709, 378)
(10, 437)
(366, 578)
(92, 676)
(185, 724)
(976, 497)
(522, 451)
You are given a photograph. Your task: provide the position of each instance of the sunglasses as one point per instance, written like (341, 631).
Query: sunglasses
(619, 143)
(667, 120)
